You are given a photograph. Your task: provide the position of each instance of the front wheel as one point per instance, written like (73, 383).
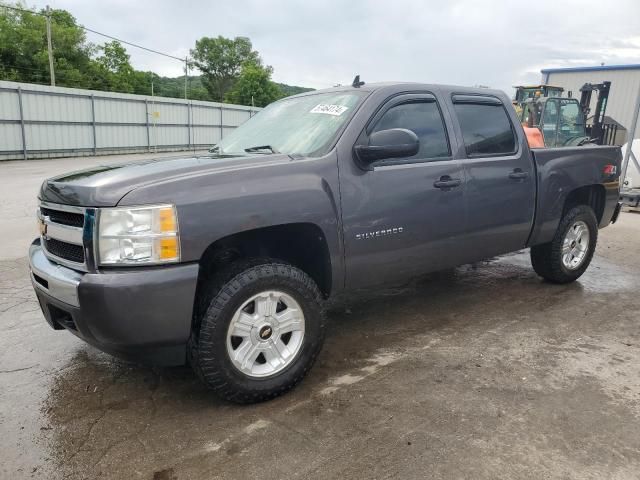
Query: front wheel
(568, 255)
(261, 332)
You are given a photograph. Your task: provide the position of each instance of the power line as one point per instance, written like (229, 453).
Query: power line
(18, 9)
(131, 44)
(19, 67)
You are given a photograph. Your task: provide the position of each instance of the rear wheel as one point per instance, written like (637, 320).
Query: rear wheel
(261, 332)
(568, 255)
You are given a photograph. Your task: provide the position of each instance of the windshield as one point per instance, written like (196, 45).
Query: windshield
(296, 126)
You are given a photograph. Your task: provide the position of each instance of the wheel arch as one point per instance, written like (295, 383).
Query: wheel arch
(302, 245)
(593, 196)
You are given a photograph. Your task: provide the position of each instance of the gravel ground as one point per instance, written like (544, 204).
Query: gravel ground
(480, 372)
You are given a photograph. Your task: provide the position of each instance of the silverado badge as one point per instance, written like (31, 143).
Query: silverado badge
(379, 233)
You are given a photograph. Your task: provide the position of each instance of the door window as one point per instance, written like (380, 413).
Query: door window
(551, 113)
(425, 120)
(571, 122)
(486, 129)
(550, 123)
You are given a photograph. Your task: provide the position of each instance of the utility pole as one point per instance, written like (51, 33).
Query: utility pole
(186, 75)
(49, 47)
(153, 116)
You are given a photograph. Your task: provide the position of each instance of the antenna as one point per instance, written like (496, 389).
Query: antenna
(356, 82)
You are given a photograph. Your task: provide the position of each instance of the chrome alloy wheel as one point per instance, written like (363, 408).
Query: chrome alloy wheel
(265, 334)
(575, 245)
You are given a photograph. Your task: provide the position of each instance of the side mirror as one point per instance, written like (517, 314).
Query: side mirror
(392, 143)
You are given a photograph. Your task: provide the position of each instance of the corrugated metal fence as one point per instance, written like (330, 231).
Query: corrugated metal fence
(39, 121)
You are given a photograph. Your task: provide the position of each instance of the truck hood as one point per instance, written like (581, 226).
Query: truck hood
(105, 185)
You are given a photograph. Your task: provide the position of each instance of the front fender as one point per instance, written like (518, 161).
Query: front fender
(215, 205)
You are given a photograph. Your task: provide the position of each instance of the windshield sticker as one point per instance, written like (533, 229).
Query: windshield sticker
(335, 110)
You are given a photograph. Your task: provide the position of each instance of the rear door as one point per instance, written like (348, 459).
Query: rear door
(500, 179)
(405, 215)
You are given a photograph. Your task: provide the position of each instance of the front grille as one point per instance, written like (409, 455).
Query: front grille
(65, 218)
(64, 250)
(63, 234)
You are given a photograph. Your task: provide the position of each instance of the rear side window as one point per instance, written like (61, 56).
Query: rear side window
(486, 129)
(423, 119)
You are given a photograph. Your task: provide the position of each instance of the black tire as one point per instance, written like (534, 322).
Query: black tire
(546, 259)
(227, 292)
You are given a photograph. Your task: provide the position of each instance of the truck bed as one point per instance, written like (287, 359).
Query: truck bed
(565, 169)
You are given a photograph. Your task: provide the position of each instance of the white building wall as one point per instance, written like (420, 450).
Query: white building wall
(625, 85)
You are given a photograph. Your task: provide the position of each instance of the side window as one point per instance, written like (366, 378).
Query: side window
(486, 129)
(423, 119)
(571, 122)
(550, 122)
(550, 113)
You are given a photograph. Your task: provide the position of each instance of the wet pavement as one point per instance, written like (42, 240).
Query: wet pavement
(479, 372)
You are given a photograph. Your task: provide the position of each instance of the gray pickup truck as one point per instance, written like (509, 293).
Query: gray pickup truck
(224, 261)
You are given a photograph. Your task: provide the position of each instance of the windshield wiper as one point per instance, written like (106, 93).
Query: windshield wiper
(261, 148)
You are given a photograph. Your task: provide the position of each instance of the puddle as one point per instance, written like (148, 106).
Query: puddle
(602, 276)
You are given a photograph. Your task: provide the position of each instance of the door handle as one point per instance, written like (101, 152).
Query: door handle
(518, 174)
(447, 182)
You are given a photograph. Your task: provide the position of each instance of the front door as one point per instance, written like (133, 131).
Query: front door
(404, 216)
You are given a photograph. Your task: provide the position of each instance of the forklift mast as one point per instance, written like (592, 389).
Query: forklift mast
(597, 130)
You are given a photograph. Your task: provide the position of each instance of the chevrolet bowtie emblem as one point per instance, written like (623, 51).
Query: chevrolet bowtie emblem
(265, 333)
(43, 228)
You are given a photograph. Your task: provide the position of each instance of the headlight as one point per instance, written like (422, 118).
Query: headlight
(139, 235)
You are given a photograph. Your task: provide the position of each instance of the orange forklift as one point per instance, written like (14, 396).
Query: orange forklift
(549, 120)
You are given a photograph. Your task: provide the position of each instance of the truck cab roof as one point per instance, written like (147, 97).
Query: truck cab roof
(398, 87)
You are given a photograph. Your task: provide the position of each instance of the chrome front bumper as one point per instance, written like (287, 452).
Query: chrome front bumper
(55, 280)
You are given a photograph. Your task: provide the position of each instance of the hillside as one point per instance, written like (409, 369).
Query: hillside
(289, 90)
(174, 87)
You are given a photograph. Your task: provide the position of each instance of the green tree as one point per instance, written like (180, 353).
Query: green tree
(81, 64)
(254, 87)
(220, 60)
(23, 48)
(141, 82)
(115, 58)
(114, 70)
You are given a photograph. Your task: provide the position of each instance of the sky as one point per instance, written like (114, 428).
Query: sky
(321, 43)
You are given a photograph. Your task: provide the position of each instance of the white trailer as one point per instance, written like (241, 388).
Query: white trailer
(630, 192)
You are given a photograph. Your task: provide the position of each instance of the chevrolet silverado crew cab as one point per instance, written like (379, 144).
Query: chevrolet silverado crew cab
(224, 261)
